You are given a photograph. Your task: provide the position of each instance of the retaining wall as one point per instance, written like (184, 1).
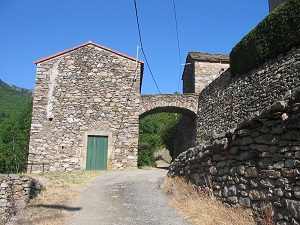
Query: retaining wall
(15, 192)
(257, 165)
(229, 99)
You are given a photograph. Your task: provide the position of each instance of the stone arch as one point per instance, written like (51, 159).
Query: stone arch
(185, 104)
(170, 109)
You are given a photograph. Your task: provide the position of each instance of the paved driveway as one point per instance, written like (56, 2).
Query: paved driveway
(126, 197)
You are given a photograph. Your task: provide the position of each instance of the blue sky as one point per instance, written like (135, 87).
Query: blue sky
(33, 29)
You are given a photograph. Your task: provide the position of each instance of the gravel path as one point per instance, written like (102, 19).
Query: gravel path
(126, 197)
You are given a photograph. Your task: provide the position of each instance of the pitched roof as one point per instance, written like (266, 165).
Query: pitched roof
(79, 46)
(207, 57)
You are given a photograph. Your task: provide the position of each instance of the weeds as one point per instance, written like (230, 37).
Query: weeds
(201, 208)
(52, 205)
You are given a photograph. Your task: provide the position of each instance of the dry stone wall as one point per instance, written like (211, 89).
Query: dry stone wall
(89, 90)
(15, 192)
(229, 99)
(257, 165)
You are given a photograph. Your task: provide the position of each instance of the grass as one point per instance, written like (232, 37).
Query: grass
(200, 208)
(53, 205)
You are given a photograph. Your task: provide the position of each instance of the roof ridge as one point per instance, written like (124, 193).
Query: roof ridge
(82, 45)
(211, 57)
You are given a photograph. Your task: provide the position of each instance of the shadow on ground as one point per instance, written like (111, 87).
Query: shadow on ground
(62, 207)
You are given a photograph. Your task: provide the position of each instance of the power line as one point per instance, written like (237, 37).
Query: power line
(141, 45)
(178, 43)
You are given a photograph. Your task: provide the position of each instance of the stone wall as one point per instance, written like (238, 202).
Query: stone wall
(15, 192)
(87, 90)
(183, 135)
(229, 99)
(257, 165)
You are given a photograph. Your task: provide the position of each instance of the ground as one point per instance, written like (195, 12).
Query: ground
(127, 197)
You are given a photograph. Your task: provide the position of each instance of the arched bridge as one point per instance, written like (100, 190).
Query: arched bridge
(186, 104)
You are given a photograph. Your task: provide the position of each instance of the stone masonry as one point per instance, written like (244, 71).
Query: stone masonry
(15, 192)
(201, 69)
(257, 166)
(248, 139)
(86, 90)
(229, 99)
(186, 104)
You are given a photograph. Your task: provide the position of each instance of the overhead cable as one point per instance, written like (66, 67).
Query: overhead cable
(141, 45)
(178, 43)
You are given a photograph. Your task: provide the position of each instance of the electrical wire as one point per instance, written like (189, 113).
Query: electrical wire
(178, 43)
(141, 46)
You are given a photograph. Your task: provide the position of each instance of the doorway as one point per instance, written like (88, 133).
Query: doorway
(97, 147)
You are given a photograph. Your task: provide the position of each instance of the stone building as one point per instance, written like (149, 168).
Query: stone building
(87, 105)
(201, 69)
(85, 97)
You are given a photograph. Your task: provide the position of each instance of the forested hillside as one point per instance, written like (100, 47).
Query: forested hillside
(13, 99)
(15, 119)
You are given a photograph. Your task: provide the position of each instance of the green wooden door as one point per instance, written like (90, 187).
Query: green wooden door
(96, 158)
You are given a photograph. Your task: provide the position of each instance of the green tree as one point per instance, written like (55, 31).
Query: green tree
(155, 132)
(14, 141)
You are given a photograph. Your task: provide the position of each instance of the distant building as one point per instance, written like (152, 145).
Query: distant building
(201, 69)
(274, 4)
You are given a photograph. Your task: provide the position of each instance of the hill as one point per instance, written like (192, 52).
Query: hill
(13, 99)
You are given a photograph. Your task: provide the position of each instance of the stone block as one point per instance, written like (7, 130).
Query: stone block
(267, 183)
(245, 202)
(292, 163)
(254, 195)
(267, 139)
(251, 172)
(293, 207)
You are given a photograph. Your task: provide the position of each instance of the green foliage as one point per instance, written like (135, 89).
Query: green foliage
(276, 34)
(14, 129)
(155, 131)
(14, 142)
(12, 99)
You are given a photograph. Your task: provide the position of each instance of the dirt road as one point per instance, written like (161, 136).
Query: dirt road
(127, 197)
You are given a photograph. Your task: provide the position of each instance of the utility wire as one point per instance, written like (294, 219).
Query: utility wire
(178, 43)
(141, 45)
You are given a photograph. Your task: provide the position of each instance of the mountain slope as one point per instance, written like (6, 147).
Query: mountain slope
(13, 99)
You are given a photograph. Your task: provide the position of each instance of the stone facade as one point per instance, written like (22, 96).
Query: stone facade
(15, 192)
(229, 100)
(257, 165)
(85, 91)
(88, 91)
(201, 69)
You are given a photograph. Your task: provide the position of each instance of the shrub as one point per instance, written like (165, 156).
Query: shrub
(276, 34)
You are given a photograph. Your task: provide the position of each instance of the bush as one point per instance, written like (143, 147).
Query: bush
(276, 34)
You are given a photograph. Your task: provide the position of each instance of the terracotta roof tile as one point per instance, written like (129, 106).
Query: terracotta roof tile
(79, 46)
